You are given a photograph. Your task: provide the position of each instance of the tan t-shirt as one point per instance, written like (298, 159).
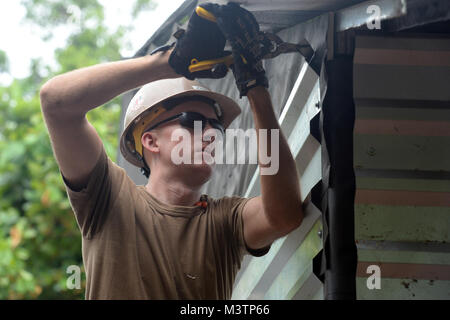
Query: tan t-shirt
(136, 247)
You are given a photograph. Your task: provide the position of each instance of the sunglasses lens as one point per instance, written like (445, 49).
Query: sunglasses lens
(188, 119)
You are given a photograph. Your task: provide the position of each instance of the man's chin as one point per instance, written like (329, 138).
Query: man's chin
(198, 173)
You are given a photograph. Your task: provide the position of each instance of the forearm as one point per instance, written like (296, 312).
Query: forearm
(84, 89)
(280, 192)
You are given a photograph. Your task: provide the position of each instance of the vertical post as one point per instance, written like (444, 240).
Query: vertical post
(338, 183)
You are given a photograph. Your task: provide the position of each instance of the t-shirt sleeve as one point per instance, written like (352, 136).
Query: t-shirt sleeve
(233, 208)
(91, 205)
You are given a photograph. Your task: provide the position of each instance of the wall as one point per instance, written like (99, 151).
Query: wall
(402, 165)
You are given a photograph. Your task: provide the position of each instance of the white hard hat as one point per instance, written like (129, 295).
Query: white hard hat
(147, 105)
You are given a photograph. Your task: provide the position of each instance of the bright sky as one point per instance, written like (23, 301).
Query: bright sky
(21, 43)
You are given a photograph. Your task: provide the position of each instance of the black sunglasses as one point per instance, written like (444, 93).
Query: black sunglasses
(187, 120)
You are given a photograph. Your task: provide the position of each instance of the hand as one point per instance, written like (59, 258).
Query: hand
(202, 41)
(242, 31)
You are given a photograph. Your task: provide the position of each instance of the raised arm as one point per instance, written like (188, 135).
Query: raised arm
(66, 98)
(278, 210)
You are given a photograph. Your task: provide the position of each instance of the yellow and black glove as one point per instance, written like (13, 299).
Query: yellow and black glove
(202, 41)
(241, 29)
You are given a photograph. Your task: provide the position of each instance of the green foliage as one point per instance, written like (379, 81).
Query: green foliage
(91, 46)
(4, 65)
(141, 5)
(53, 13)
(39, 237)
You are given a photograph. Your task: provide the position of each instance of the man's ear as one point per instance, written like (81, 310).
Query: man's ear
(150, 142)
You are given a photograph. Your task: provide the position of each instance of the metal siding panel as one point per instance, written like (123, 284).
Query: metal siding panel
(404, 289)
(300, 262)
(402, 159)
(306, 83)
(404, 256)
(403, 198)
(319, 293)
(402, 127)
(310, 289)
(402, 223)
(260, 272)
(255, 279)
(402, 57)
(400, 246)
(254, 271)
(402, 82)
(402, 42)
(407, 270)
(299, 286)
(402, 152)
(309, 166)
(387, 183)
(422, 112)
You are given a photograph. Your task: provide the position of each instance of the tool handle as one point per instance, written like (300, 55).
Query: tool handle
(205, 14)
(209, 64)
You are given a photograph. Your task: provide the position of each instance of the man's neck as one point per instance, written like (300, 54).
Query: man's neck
(172, 192)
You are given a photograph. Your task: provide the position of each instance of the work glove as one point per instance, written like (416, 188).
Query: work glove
(241, 29)
(202, 41)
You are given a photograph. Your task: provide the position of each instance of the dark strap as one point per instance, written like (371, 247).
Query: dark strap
(171, 103)
(162, 48)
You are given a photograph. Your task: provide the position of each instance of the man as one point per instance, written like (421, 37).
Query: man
(165, 240)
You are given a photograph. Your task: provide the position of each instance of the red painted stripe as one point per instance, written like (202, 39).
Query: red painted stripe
(403, 127)
(402, 57)
(406, 270)
(403, 198)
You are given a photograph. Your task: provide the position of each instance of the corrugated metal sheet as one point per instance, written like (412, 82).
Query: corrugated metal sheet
(287, 269)
(402, 161)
